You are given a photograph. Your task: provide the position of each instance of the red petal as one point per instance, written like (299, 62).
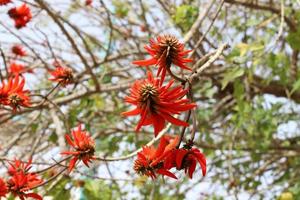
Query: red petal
(135, 111)
(166, 173)
(72, 163)
(34, 196)
(180, 153)
(150, 61)
(174, 120)
(192, 168)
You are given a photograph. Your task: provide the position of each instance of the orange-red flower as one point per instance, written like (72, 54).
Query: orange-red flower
(18, 50)
(165, 51)
(21, 15)
(20, 183)
(150, 161)
(156, 103)
(83, 145)
(22, 180)
(18, 68)
(186, 159)
(4, 2)
(62, 75)
(3, 188)
(13, 94)
(18, 166)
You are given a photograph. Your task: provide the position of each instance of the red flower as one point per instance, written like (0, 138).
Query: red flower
(62, 75)
(88, 2)
(186, 159)
(84, 147)
(3, 188)
(21, 182)
(21, 15)
(150, 160)
(18, 50)
(17, 68)
(165, 51)
(156, 103)
(18, 166)
(4, 2)
(13, 94)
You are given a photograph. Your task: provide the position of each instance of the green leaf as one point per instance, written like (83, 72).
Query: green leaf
(59, 191)
(296, 86)
(97, 190)
(185, 16)
(232, 74)
(293, 39)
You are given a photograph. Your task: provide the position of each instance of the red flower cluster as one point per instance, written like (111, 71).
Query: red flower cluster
(84, 147)
(21, 15)
(18, 68)
(156, 103)
(4, 2)
(3, 188)
(13, 94)
(150, 161)
(165, 51)
(20, 181)
(62, 75)
(18, 50)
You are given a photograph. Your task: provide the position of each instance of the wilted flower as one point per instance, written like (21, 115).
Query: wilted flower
(21, 15)
(18, 50)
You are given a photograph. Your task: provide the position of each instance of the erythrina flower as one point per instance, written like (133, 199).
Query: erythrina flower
(3, 188)
(165, 51)
(156, 103)
(84, 147)
(20, 183)
(18, 50)
(13, 94)
(150, 161)
(18, 68)
(62, 75)
(88, 2)
(18, 166)
(186, 159)
(22, 15)
(4, 2)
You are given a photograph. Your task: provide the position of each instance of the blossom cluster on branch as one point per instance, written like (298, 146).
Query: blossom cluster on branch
(155, 99)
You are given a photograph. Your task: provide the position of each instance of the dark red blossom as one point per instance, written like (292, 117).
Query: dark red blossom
(150, 161)
(18, 50)
(165, 51)
(3, 188)
(156, 103)
(20, 183)
(62, 75)
(13, 94)
(186, 159)
(18, 68)
(21, 15)
(88, 2)
(83, 145)
(4, 2)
